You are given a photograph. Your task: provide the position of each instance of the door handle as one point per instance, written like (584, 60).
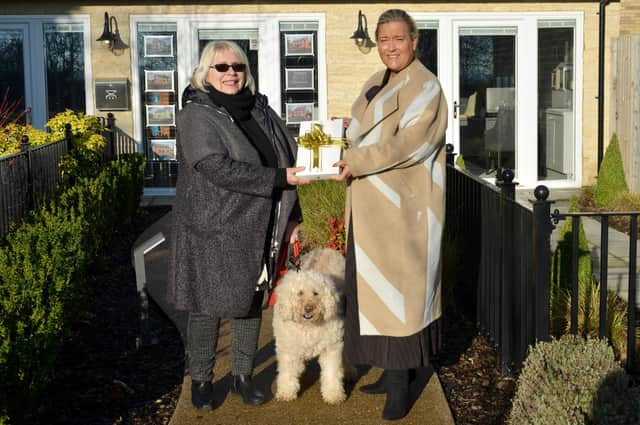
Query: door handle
(456, 106)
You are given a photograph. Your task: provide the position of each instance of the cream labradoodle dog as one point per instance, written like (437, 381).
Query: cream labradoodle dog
(307, 324)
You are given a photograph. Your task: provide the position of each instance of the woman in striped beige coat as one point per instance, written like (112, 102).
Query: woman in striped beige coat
(395, 173)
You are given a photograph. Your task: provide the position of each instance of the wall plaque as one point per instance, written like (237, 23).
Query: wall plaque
(112, 95)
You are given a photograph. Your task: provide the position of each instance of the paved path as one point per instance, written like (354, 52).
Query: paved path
(430, 406)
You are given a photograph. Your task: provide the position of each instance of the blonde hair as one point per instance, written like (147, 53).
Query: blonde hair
(398, 15)
(199, 77)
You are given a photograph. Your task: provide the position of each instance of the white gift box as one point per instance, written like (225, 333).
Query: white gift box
(333, 128)
(327, 154)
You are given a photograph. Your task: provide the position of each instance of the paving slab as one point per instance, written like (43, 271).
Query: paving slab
(429, 407)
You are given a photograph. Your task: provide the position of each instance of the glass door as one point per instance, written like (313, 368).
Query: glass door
(485, 108)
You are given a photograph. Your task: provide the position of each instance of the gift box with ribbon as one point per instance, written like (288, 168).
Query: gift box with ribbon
(318, 151)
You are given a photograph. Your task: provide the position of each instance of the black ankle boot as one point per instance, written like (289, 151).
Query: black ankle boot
(397, 385)
(377, 387)
(202, 395)
(243, 386)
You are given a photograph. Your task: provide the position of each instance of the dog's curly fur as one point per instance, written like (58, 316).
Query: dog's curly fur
(307, 324)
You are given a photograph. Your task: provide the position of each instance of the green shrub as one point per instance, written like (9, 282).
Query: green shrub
(11, 134)
(567, 381)
(460, 162)
(561, 269)
(611, 180)
(42, 267)
(87, 142)
(589, 317)
(320, 201)
(617, 402)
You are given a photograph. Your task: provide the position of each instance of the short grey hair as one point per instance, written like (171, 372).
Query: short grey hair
(199, 77)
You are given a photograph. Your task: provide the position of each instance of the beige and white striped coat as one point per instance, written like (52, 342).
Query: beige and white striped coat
(396, 201)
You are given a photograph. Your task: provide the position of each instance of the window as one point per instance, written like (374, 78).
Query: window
(56, 83)
(556, 139)
(299, 73)
(64, 47)
(12, 66)
(157, 64)
(428, 45)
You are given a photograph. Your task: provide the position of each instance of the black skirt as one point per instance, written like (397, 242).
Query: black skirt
(387, 352)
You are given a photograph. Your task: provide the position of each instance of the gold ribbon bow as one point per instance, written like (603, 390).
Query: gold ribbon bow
(316, 138)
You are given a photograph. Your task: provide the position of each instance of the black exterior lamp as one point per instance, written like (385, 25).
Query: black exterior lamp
(361, 34)
(111, 35)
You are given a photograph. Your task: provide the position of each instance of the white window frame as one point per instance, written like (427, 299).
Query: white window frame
(268, 25)
(526, 70)
(34, 56)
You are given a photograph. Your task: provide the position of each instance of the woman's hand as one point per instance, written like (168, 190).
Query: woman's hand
(294, 180)
(344, 172)
(293, 228)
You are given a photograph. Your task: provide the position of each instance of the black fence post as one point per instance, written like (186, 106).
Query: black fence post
(451, 156)
(507, 185)
(575, 248)
(631, 318)
(24, 143)
(542, 228)
(604, 270)
(68, 137)
(111, 125)
(507, 322)
(24, 147)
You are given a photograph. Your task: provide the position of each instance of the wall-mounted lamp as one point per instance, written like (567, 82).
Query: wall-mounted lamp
(361, 34)
(111, 35)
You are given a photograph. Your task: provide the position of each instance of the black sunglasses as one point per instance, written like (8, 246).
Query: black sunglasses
(224, 67)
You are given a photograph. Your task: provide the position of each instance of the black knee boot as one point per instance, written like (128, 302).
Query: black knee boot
(397, 385)
(377, 387)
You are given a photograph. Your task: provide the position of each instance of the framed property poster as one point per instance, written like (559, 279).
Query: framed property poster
(161, 81)
(164, 150)
(161, 132)
(161, 115)
(158, 46)
(298, 44)
(298, 112)
(299, 79)
(162, 98)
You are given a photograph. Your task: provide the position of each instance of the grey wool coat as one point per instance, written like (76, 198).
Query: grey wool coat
(222, 207)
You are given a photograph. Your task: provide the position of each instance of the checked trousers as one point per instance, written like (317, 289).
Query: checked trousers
(202, 340)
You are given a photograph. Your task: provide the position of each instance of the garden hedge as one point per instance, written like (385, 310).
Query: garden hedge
(574, 380)
(42, 268)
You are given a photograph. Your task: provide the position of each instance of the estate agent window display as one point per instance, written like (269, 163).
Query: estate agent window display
(157, 69)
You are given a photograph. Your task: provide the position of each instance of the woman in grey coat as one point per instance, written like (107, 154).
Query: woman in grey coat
(235, 205)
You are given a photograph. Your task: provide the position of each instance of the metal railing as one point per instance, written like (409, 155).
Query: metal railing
(27, 176)
(604, 269)
(507, 250)
(507, 254)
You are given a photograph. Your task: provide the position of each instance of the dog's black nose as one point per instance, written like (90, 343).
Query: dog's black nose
(308, 308)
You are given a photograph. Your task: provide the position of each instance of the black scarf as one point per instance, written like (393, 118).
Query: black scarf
(373, 91)
(240, 106)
